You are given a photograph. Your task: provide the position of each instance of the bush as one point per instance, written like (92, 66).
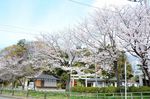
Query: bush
(91, 89)
(77, 89)
(85, 89)
(111, 89)
(144, 88)
(138, 89)
(133, 89)
(101, 90)
(95, 89)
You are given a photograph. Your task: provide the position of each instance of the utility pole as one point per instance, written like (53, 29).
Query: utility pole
(125, 68)
(116, 73)
(96, 83)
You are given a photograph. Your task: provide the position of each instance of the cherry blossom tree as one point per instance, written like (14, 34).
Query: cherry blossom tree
(62, 52)
(98, 34)
(20, 61)
(134, 30)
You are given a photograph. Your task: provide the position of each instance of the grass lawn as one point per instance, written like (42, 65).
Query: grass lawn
(64, 95)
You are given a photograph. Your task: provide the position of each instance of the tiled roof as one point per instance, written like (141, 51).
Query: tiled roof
(46, 76)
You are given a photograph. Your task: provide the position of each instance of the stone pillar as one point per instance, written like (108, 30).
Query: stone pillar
(94, 84)
(86, 82)
(115, 84)
(103, 84)
(72, 81)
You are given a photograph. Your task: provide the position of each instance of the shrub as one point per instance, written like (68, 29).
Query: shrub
(85, 89)
(133, 89)
(95, 89)
(110, 89)
(138, 89)
(78, 89)
(101, 90)
(92, 89)
(144, 88)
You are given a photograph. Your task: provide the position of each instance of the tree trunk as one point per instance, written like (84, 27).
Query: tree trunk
(147, 75)
(68, 87)
(34, 84)
(13, 85)
(145, 82)
(22, 84)
(68, 84)
(145, 72)
(116, 73)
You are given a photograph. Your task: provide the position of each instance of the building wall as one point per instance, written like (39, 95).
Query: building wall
(50, 83)
(38, 83)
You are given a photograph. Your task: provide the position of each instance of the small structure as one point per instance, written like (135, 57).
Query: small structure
(45, 81)
(91, 80)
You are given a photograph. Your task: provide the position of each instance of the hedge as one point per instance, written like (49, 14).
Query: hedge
(110, 89)
(85, 89)
(95, 89)
(139, 89)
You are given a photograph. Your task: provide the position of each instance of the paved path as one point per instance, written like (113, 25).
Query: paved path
(10, 97)
(5, 98)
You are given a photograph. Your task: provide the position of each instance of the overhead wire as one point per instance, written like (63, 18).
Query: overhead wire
(17, 27)
(88, 5)
(20, 30)
(84, 4)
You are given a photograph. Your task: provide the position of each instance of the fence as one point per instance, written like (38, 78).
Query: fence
(73, 95)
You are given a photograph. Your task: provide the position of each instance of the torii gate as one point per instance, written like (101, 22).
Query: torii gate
(83, 76)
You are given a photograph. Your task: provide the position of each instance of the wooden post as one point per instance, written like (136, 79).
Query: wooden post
(1, 91)
(131, 96)
(104, 96)
(12, 92)
(141, 95)
(27, 94)
(97, 95)
(121, 96)
(45, 94)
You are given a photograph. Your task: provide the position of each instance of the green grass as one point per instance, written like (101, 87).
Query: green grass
(65, 95)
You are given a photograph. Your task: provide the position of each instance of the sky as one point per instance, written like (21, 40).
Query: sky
(21, 19)
(25, 19)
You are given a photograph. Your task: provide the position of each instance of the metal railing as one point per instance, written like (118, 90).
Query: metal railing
(73, 95)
